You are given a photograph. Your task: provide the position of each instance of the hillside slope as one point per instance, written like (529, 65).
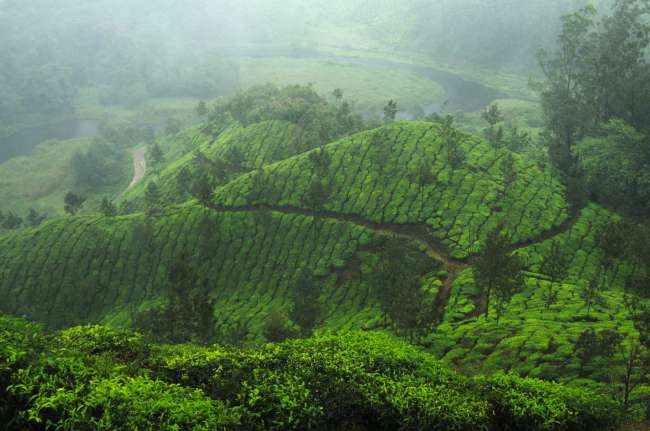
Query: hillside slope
(103, 269)
(266, 229)
(377, 175)
(254, 146)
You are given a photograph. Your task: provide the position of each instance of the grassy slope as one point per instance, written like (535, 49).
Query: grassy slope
(533, 339)
(42, 179)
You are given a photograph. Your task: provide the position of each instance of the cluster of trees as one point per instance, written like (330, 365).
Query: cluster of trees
(321, 122)
(304, 314)
(10, 220)
(186, 313)
(595, 98)
(396, 282)
(498, 272)
(621, 359)
(103, 163)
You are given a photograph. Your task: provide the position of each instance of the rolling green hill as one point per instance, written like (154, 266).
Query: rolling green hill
(376, 175)
(330, 215)
(258, 144)
(103, 269)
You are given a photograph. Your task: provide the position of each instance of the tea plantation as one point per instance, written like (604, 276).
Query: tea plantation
(95, 377)
(292, 218)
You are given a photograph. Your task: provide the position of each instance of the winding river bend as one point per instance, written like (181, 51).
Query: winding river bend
(460, 95)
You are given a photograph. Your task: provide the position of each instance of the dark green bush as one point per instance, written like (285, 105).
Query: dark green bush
(98, 378)
(537, 405)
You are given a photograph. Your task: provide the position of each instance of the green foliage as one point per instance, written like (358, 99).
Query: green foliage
(497, 271)
(82, 379)
(598, 73)
(616, 165)
(10, 221)
(108, 208)
(320, 121)
(124, 403)
(390, 111)
(532, 404)
(100, 165)
(396, 284)
(278, 327)
(73, 203)
(187, 314)
(306, 310)
(371, 177)
(34, 218)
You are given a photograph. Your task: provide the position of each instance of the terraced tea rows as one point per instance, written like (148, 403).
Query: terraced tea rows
(95, 268)
(261, 232)
(536, 337)
(256, 145)
(375, 175)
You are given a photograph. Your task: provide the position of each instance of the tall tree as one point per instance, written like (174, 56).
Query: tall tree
(556, 267)
(424, 177)
(390, 111)
(492, 115)
(320, 161)
(34, 218)
(591, 291)
(317, 194)
(598, 72)
(187, 314)
(306, 309)
(497, 271)
(155, 156)
(561, 93)
(108, 208)
(73, 203)
(152, 198)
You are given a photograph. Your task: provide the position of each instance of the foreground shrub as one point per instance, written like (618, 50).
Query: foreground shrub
(99, 378)
(536, 405)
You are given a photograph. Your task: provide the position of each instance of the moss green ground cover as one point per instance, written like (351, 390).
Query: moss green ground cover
(109, 379)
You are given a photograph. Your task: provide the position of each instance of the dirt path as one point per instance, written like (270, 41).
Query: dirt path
(415, 232)
(139, 166)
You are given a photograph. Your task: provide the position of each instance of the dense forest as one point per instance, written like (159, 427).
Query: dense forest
(414, 215)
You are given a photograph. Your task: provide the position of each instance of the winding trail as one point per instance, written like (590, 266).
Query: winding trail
(418, 233)
(139, 166)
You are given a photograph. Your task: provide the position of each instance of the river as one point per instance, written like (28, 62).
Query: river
(23, 142)
(460, 95)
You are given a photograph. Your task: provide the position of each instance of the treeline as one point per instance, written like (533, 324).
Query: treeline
(595, 96)
(9, 220)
